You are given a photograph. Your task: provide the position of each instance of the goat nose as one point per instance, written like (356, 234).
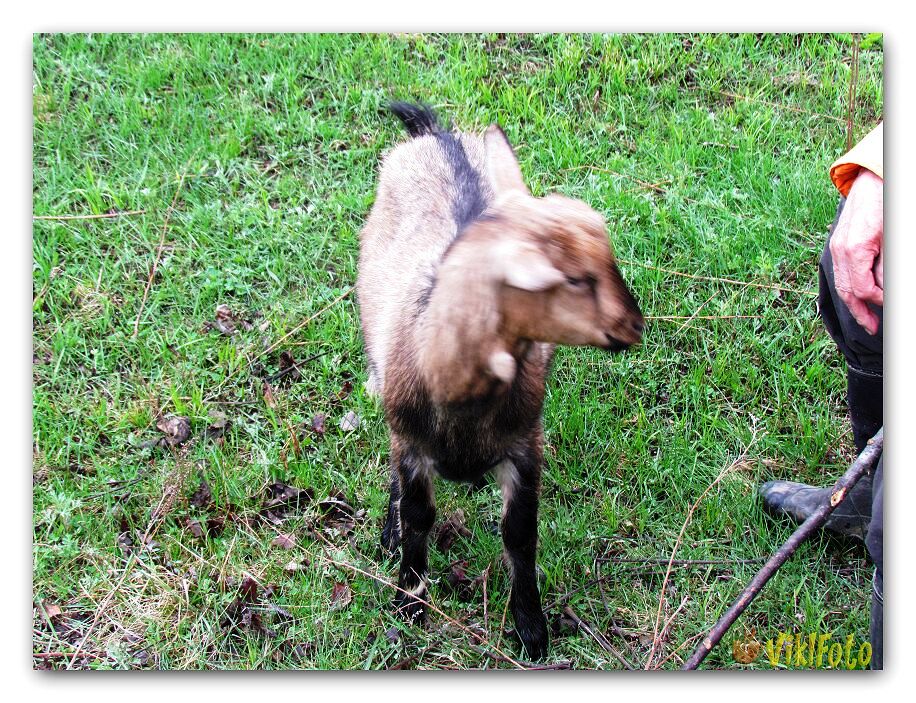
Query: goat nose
(638, 326)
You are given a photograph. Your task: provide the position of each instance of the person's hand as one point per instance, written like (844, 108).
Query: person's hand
(857, 247)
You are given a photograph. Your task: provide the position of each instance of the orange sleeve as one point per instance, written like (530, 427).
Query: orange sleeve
(869, 153)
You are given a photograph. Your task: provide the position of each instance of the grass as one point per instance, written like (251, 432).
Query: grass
(707, 154)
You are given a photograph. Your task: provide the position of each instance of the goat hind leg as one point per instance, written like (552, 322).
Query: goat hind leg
(391, 532)
(417, 513)
(520, 480)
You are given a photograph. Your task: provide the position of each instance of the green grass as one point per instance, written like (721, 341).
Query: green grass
(278, 139)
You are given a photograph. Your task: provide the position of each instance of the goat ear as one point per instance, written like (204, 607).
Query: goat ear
(527, 268)
(502, 165)
(502, 365)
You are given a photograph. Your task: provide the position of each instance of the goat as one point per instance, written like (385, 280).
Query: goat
(465, 284)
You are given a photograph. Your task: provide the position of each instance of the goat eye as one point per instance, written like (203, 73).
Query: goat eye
(581, 283)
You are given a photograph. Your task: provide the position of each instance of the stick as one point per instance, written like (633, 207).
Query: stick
(105, 216)
(273, 346)
(598, 637)
(669, 318)
(690, 511)
(717, 279)
(814, 522)
(853, 79)
(152, 273)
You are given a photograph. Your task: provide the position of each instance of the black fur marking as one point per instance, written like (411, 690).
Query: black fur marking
(469, 201)
(418, 119)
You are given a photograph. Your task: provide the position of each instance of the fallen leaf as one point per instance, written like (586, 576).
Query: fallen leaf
(195, 528)
(281, 495)
(269, 399)
(176, 429)
(288, 370)
(345, 390)
(463, 587)
(449, 531)
(318, 423)
(52, 611)
(248, 589)
(341, 596)
(349, 422)
(337, 513)
(219, 423)
(284, 541)
(202, 497)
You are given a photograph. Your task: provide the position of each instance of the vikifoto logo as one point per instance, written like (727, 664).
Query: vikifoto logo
(812, 650)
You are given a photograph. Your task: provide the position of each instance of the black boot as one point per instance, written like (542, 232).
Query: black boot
(865, 394)
(798, 501)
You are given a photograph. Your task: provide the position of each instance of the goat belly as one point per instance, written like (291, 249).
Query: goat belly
(462, 447)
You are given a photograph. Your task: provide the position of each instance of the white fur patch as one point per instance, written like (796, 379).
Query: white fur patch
(508, 478)
(419, 590)
(503, 366)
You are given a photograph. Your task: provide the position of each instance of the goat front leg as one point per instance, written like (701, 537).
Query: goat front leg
(519, 476)
(416, 513)
(391, 532)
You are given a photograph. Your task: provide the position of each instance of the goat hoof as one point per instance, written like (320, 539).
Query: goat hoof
(532, 631)
(410, 609)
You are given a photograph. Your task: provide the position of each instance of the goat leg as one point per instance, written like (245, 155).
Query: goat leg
(417, 512)
(520, 480)
(391, 532)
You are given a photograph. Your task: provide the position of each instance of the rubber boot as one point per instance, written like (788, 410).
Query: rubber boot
(799, 500)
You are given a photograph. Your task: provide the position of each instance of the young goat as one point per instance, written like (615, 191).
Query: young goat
(465, 283)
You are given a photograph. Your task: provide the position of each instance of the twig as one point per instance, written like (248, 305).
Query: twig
(152, 273)
(680, 562)
(683, 644)
(598, 637)
(669, 318)
(280, 341)
(101, 608)
(559, 666)
(301, 325)
(604, 578)
(429, 605)
(295, 366)
(64, 655)
(736, 96)
(664, 633)
(717, 278)
(661, 598)
(696, 312)
(853, 80)
(105, 216)
(815, 521)
(645, 184)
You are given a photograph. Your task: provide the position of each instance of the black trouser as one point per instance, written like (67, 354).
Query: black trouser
(864, 355)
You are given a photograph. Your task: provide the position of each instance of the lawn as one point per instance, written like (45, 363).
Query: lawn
(230, 176)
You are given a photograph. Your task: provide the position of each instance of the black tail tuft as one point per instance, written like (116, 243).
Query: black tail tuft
(418, 119)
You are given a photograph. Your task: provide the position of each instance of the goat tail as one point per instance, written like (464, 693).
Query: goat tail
(418, 119)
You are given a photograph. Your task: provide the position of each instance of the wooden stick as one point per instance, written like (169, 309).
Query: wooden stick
(674, 318)
(598, 637)
(815, 521)
(152, 273)
(690, 511)
(853, 79)
(107, 215)
(718, 279)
